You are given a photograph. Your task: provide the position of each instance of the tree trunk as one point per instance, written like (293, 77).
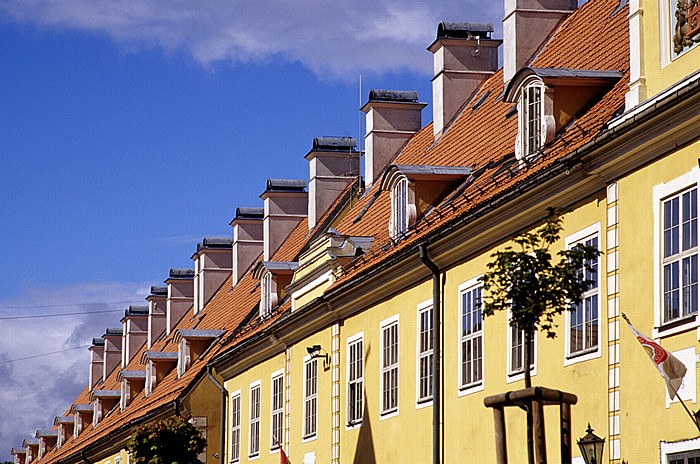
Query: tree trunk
(528, 384)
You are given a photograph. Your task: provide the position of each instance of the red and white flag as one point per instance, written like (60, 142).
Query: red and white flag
(670, 368)
(283, 456)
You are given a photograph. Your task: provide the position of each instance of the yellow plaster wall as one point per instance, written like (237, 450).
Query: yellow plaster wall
(659, 78)
(645, 420)
(205, 401)
(122, 454)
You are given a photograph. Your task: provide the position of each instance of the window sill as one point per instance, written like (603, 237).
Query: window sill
(253, 457)
(424, 403)
(583, 355)
(352, 425)
(384, 415)
(677, 326)
(308, 438)
(469, 389)
(519, 375)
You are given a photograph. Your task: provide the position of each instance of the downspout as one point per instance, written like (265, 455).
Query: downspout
(224, 398)
(423, 249)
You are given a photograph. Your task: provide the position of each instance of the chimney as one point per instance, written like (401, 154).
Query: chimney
(157, 313)
(334, 163)
(112, 350)
(464, 55)
(212, 266)
(97, 350)
(526, 25)
(286, 204)
(180, 296)
(248, 239)
(393, 116)
(135, 330)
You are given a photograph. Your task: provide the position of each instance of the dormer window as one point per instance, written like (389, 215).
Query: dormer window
(274, 277)
(531, 114)
(399, 208)
(266, 296)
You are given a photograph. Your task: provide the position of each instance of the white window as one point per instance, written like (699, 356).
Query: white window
(183, 358)
(266, 295)
(583, 321)
(471, 336)
(254, 445)
(425, 353)
(355, 379)
(680, 452)
(516, 352)
(399, 208)
(530, 113)
(390, 366)
(310, 397)
(680, 255)
(276, 409)
(236, 426)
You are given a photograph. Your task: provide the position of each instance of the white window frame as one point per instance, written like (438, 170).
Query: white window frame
(356, 383)
(515, 375)
(661, 192)
(266, 295)
(277, 379)
(525, 150)
(183, 357)
(424, 307)
(464, 388)
(310, 401)
(254, 419)
(386, 369)
(235, 432)
(588, 233)
(399, 208)
(670, 448)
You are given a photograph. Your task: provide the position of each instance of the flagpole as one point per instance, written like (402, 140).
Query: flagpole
(690, 414)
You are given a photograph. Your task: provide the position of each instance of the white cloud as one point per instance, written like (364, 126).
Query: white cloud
(36, 390)
(332, 38)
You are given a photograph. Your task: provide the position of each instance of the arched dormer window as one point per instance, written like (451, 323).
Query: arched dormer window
(399, 208)
(531, 118)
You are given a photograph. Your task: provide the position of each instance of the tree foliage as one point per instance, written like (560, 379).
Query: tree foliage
(169, 441)
(525, 278)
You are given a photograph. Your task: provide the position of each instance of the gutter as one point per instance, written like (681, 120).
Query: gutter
(224, 399)
(83, 456)
(423, 250)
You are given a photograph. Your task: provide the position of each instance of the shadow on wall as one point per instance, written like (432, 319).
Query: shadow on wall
(364, 451)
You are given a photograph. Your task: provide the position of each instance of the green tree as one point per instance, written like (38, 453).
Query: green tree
(527, 279)
(169, 441)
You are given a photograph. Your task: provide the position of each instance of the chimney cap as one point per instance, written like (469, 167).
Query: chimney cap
(63, 420)
(215, 242)
(98, 342)
(136, 311)
(181, 273)
(334, 143)
(407, 96)
(82, 407)
(285, 185)
(34, 441)
(46, 433)
(461, 30)
(113, 332)
(248, 212)
(158, 290)
(20, 450)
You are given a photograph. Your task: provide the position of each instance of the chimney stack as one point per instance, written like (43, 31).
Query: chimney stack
(212, 266)
(97, 351)
(334, 163)
(157, 313)
(526, 25)
(286, 204)
(248, 239)
(180, 296)
(112, 350)
(392, 117)
(464, 55)
(135, 330)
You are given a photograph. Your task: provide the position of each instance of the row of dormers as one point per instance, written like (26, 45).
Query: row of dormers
(546, 100)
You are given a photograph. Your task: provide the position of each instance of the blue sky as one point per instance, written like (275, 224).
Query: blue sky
(130, 130)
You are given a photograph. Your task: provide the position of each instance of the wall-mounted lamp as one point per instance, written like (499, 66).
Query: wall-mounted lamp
(591, 446)
(315, 352)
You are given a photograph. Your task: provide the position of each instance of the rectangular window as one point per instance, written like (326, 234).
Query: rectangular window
(355, 380)
(680, 255)
(390, 367)
(236, 427)
(584, 327)
(425, 354)
(310, 397)
(688, 457)
(471, 338)
(254, 445)
(266, 295)
(517, 350)
(399, 216)
(276, 409)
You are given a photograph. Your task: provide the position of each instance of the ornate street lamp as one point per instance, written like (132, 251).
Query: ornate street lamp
(591, 447)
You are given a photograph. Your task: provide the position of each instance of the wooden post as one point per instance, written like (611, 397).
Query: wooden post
(538, 418)
(499, 420)
(565, 418)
